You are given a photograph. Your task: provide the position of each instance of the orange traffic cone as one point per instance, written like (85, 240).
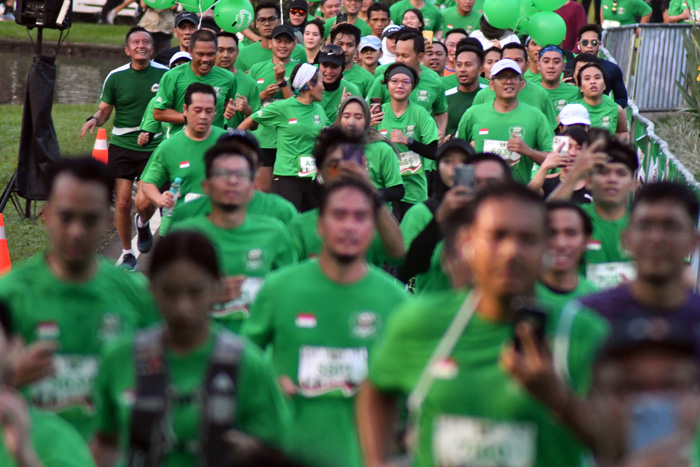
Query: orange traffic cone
(99, 152)
(5, 264)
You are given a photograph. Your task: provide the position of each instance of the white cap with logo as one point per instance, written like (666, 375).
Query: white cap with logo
(574, 114)
(505, 64)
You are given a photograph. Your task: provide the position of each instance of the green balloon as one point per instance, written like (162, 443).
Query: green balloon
(195, 6)
(502, 14)
(547, 27)
(523, 27)
(549, 5)
(233, 15)
(160, 4)
(527, 9)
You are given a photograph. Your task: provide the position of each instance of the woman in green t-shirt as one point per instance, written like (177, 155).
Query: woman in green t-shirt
(413, 18)
(174, 391)
(604, 112)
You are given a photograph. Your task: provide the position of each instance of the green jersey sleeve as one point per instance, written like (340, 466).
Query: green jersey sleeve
(428, 131)
(375, 89)
(440, 103)
(286, 253)
(545, 134)
(155, 171)
(108, 90)
(269, 116)
(165, 97)
(414, 222)
(148, 122)
(259, 327)
(464, 128)
(642, 8)
(56, 442)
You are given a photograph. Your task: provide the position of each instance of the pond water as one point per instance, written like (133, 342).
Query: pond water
(78, 79)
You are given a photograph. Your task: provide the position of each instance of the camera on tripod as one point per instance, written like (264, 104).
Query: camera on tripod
(48, 14)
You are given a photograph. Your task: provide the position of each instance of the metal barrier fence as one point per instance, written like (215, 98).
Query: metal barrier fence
(652, 68)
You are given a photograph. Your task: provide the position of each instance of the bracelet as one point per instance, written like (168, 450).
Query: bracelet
(90, 118)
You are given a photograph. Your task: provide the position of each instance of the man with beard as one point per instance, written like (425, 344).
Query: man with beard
(318, 321)
(249, 245)
(331, 60)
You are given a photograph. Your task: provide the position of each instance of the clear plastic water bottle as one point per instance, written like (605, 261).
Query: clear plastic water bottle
(175, 190)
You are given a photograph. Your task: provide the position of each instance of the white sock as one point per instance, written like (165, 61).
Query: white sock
(140, 224)
(128, 252)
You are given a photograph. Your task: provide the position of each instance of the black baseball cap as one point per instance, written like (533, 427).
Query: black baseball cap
(283, 29)
(455, 144)
(299, 5)
(185, 15)
(332, 54)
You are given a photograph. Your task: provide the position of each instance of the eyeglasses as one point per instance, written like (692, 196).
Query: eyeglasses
(297, 12)
(396, 82)
(269, 20)
(226, 174)
(594, 43)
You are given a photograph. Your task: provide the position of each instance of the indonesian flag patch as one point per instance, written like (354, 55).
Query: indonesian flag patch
(47, 330)
(184, 164)
(292, 121)
(484, 131)
(383, 132)
(305, 320)
(594, 245)
(261, 81)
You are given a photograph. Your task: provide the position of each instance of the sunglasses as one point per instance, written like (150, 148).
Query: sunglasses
(594, 43)
(297, 12)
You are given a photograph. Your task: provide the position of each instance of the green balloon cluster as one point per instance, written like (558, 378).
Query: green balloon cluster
(196, 6)
(502, 14)
(160, 4)
(233, 15)
(547, 27)
(528, 17)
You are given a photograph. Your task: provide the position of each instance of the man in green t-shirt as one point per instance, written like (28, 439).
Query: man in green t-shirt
(319, 320)
(328, 9)
(249, 246)
(551, 66)
(67, 302)
(532, 74)
(378, 19)
(128, 91)
(461, 16)
(623, 12)
(432, 19)
(610, 171)
(508, 127)
(443, 353)
(347, 37)
(459, 98)
(182, 155)
(247, 97)
(351, 10)
(331, 59)
(531, 93)
(267, 18)
(173, 86)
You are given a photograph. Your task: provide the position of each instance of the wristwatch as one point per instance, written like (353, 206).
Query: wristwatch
(410, 141)
(90, 118)
(284, 83)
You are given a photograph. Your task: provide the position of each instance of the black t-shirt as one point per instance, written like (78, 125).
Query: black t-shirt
(580, 196)
(164, 56)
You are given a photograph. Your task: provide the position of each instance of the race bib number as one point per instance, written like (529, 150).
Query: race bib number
(609, 275)
(307, 166)
(325, 369)
(249, 290)
(70, 386)
(475, 442)
(501, 148)
(610, 24)
(410, 163)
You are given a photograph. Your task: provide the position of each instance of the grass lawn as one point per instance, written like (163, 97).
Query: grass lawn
(681, 130)
(90, 33)
(24, 237)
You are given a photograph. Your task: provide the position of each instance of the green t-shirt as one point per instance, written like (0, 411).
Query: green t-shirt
(260, 409)
(308, 243)
(563, 95)
(151, 125)
(607, 262)
(429, 93)
(320, 334)
(434, 279)
(457, 103)
(360, 77)
(432, 19)
(603, 115)
(248, 89)
(450, 81)
(627, 11)
(82, 318)
(414, 222)
(297, 127)
(180, 156)
(130, 91)
(255, 53)
(174, 83)
(451, 19)
(263, 73)
(415, 123)
(490, 131)
(262, 204)
(365, 30)
(55, 441)
(677, 7)
(475, 413)
(258, 246)
(331, 99)
(531, 77)
(383, 165)
(532, 94)
(379, 71)
(558, 298)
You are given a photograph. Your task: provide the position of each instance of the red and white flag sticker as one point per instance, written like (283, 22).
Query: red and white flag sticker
(305, 320)
(184, 164)
(292, 121)
(261, 80)
(383, 132)
(594, 245)
(484, 131)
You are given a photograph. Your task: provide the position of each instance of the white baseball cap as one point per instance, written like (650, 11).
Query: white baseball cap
(181, 55)
(505, 64)
(371, 42)
(574, 114)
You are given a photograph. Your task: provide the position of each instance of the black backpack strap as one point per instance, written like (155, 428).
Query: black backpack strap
(219, 399)
(148, 437)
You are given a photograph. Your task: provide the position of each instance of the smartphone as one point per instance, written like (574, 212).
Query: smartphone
(375, 104)
(353, 152)
(559, 140)
(568, 75)
(428, 35)
(341, 18)
(464, 176)
(652, 419)
(526, 310)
